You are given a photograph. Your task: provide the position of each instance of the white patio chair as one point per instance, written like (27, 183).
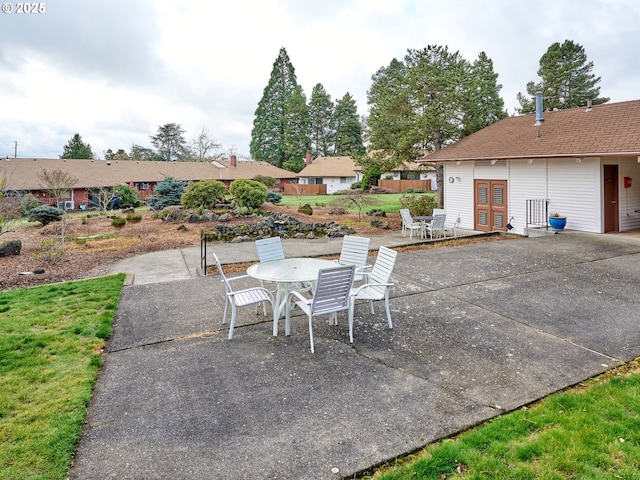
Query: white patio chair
(376, 288)
(437, 226)
(242, 298)
(330, 297)
(438, 211)
(453, 225)
(355, 251)
(408, 223)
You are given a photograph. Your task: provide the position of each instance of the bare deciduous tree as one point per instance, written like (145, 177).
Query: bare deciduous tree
(203, 147)
(58, 183)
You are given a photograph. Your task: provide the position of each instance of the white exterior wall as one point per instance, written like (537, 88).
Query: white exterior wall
(458, 193)
(629, 198)
(333, 184)
(527, 181)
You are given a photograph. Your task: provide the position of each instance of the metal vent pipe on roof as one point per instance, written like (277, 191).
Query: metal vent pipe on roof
(539, 118)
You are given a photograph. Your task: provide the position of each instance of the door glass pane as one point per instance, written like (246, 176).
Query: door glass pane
(497, 196)
(482, 218)
(499, 220)
(482, 195)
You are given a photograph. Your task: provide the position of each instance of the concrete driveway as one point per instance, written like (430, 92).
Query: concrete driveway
(479, 330)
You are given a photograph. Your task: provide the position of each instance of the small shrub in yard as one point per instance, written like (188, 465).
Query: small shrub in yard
(134, 218)
(414, 190)
(274, 197)
(419, 204)
(50, 252)
(29, 202)
(248, 193)
(380, 190)
(118, 222)
(45, 214)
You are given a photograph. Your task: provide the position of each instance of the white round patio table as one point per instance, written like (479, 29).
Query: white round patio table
(286, 272)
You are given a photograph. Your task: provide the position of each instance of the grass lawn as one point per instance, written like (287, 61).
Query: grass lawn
(590, 432)
(51, 339)
(388, 203)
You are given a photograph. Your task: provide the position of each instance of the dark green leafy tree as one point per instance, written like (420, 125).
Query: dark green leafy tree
(296, 140)
(127, 197)
(77, 149)
(321, 122)
(120, 154)
(421, 104)
(348, 129)
(170, 142)
(566, 80)
(267, 135)
(482, 104)
(143, 154)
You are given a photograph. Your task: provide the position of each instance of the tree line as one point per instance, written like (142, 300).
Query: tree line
(430, 98)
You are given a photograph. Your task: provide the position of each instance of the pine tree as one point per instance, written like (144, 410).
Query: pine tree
(566, 80)
(170, 142)
(267, 135)
(321, 112)
(483, 104)
(296, 142)
(77, 149)
(348, 136)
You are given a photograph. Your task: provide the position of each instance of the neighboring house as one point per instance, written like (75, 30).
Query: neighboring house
(411, 171)
(95, 176)
(337, 173)
(581, 160)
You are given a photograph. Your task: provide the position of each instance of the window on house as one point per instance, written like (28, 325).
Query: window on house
(409, 175)
(343, 180)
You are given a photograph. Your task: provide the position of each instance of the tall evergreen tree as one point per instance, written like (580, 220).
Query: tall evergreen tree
(348, 136)
(483, 104)
(77, 149)
(566, 81)
(170, 142)
(296, 142)
(267, 135)
(321, 122)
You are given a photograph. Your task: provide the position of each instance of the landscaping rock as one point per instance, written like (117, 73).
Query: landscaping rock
(10, 248)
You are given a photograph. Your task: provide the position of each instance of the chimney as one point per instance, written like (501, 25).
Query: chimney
(308, 159)
(589, 108)
(539, 118)
(234, 161)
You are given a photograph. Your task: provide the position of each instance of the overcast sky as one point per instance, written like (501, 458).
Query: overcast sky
(114, 70)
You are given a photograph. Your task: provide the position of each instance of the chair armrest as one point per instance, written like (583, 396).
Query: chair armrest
(294, 293)
(235, 292)
(355, 291)
(362, 269)
(238, 277)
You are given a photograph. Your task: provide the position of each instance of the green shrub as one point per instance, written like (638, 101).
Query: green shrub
(419, 205)
(356, 185)
(202, 194)
(274, 197)
(128, 197)
(248, 193)
(45, 214)
(134, 218)
(269, 182)
(118, 222)
(414, 190)
(29, 202)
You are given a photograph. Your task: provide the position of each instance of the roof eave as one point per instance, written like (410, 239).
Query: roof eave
(525, 157)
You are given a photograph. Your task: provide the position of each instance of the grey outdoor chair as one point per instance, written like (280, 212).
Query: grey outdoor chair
(330, 297)
(355, 251)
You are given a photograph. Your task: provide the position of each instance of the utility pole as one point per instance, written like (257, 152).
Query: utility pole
(15, 149)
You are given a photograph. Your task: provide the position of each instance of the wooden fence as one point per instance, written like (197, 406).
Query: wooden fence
(401, 185)
(304, 189)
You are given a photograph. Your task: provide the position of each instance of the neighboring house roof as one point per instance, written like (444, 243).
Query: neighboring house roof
(330, 167)
(22, 173)
(611, 129)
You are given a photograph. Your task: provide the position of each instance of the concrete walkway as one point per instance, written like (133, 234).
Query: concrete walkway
(478, 330)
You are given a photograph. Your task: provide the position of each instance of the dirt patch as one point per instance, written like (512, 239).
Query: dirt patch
(92, 243)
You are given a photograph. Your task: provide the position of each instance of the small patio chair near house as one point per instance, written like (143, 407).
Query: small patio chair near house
(355, 251)
(408, 223)
(453, 225)
(330, 297)
(242, 298)
(437, 227)
(377, 286)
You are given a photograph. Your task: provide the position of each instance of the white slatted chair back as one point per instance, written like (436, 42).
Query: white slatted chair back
(269, 249)
(438, 211)
(330, 297)
(437, 226)
(241, 298)
(332, 289)
(355, 251)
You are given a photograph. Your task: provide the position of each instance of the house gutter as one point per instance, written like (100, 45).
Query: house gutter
(525, 157)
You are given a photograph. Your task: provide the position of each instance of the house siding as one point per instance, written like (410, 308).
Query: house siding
(527, 181)
(457, 193)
